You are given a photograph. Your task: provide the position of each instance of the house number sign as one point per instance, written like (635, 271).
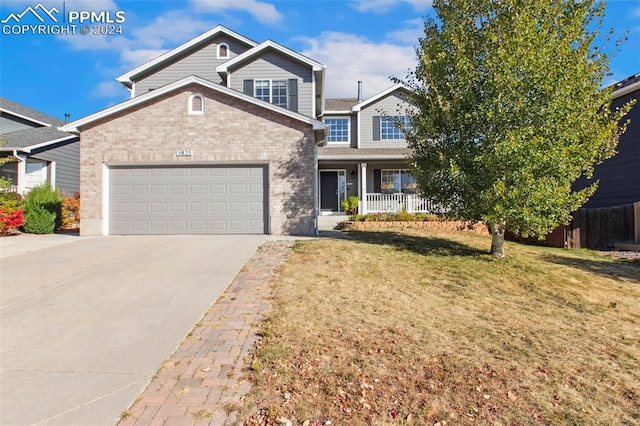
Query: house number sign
(184, 153)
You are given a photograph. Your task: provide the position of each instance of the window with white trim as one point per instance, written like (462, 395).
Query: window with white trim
(272, 91)
(397, 180)
(338, 129)
(391, 127)
(223, 51)
(196, 104)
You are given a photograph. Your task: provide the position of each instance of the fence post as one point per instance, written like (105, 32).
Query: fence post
(636, 221)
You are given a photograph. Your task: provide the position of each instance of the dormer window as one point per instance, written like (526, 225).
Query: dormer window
(223, 51)
(196, 104)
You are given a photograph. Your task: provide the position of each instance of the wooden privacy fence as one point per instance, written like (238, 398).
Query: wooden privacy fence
(597, 229)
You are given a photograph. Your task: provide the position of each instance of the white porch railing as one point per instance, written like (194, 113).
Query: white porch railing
(388, 203)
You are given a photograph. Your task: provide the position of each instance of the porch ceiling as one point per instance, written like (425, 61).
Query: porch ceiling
(355, 154)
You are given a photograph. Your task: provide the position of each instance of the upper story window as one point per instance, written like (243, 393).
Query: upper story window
(338, 129)
(272, 91)
(223, 51)
(391, 127)
(196, 104)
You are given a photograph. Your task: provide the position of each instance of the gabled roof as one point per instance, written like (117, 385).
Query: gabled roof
(26, 113)
(123, 106)
(265, 45)
(339, 104)
(380, 95)
(27, 140)
(202, 38)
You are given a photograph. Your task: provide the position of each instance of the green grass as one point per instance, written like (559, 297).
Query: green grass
(415, 327)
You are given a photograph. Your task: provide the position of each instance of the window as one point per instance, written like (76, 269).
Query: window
(272, 91)
(390, 127)
(338, 129)
(397, 181)
(196, 104)
(223, 51)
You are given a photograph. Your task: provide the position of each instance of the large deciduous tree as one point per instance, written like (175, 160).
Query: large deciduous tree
(510, 111)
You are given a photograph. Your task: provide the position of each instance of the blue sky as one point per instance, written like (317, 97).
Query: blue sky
(366, 40)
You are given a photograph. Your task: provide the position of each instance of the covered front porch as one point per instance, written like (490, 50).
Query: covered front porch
(381, 185)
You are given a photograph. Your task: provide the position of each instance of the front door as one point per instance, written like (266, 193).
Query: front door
(329, 190)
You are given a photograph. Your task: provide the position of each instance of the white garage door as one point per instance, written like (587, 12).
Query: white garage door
(187, 200)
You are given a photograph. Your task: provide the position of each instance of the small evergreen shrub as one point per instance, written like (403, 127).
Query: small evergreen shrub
(350, 205)
(42, 210)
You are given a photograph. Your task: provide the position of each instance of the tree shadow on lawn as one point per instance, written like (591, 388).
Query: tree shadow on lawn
(618, 269)
(418, 244)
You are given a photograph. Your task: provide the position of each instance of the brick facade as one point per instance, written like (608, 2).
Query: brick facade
(231, 131)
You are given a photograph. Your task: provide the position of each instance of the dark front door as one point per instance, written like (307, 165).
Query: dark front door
(329, 191)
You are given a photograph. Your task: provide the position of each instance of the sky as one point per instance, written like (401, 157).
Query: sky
(367, 40)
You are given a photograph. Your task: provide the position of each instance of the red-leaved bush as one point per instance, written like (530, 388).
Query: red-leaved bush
(10, 219)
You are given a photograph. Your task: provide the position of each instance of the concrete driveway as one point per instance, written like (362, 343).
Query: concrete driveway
(86, 322)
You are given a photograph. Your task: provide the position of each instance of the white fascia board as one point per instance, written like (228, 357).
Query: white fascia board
(335, 112)
(24, 117)
(224, 68)
(219, 29)
(362, 157)
(380, 95)
(47, 143)
(625, 90)
(74, 125)
(323, 74)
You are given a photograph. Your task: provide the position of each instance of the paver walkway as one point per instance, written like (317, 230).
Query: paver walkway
(202, 382)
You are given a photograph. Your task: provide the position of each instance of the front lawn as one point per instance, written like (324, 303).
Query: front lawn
(423, 326)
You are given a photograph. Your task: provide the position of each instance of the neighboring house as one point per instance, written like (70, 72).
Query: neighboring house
(222, 135)
(619, 176)
(40, 151)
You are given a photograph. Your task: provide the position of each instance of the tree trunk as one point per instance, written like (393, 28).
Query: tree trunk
(497, 241)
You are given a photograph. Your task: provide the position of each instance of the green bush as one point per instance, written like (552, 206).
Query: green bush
(42, 210)
(10, 200)
(350, 205)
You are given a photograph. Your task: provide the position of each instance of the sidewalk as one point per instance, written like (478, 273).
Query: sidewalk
(201, 383)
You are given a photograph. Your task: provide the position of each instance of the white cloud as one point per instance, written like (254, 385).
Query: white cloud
(410, 33)
(351, 57)
(109, 89)
(141, 44)
(383, 6)
(169, 29)
(261, 11)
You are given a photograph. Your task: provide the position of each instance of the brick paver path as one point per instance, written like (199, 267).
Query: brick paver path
(202, 382)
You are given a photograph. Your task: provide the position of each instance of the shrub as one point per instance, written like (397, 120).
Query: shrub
(350, 205)
(10, 200)
(42, 210)
(10, 219)
(70, 212)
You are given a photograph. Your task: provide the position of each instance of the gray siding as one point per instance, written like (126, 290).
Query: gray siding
(393, 104)
(275, 66)
(67, 158)
(201, 62)
(9, 123)
(619, 176)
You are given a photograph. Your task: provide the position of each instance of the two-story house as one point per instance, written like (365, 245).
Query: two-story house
(226, 135)
(39, 152)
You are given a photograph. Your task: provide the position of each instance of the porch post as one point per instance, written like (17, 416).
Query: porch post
(22, 173)
(363, 188)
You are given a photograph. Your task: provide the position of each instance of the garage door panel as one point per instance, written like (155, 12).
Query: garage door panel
(187, 200)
